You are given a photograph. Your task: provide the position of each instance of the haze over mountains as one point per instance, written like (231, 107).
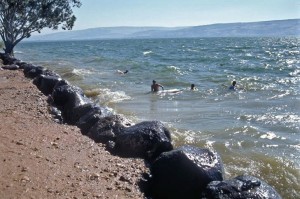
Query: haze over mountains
(278, 28)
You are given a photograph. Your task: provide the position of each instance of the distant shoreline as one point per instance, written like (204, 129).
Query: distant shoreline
(275, 28)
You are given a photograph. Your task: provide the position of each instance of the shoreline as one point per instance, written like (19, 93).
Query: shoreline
(43, 159)
(147, 140)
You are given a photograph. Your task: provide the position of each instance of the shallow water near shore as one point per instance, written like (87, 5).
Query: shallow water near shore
(255, 129)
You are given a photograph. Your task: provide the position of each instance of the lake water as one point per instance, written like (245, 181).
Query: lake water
(255, 129)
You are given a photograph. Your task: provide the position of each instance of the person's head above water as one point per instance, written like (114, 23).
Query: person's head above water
(232, 87)
(192, 86)
(153, 81)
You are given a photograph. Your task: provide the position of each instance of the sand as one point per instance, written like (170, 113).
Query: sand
(40, 158)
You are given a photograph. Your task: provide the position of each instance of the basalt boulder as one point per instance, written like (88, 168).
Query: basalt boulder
(89, 117)
(241, 187)
(46, 83)
(71, 101)
(146, 139)
(64, 94)
(108, 128)
(21, 64)
(7, 59)
(56, 114)
(31, 71)
(11, 67)
(184, 173)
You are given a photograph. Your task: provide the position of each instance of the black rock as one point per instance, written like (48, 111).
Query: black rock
(11, 67)
(46, 84)
(108, 128)
(88, 117)
(147, 140)
(241, 187)
(71, 101)
(184, 172)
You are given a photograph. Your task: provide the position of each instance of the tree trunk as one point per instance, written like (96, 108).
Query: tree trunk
(9, 48)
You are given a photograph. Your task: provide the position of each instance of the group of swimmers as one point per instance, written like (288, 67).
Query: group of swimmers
(155, 86)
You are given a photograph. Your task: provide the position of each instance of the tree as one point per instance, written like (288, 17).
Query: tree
(20, 18)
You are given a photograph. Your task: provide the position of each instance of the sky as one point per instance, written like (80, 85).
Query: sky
(177, 13)
(173, 13)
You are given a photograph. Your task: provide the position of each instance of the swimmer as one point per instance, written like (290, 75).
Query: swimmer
(233, 86)
(122, 72)
(193, 87)
(155, 86)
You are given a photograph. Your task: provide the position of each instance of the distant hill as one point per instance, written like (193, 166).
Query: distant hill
(278, 28)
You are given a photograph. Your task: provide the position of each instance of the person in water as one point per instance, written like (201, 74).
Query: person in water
(155, 86)
(233, 86)
(193, 87)
(122, 72)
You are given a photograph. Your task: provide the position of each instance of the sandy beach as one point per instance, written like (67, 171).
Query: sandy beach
(43, 159)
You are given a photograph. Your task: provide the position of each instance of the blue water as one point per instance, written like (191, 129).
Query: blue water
(255, 129)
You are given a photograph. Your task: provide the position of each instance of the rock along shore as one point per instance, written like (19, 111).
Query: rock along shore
(53, 154)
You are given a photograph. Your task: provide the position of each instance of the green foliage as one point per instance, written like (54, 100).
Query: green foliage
(20, 18)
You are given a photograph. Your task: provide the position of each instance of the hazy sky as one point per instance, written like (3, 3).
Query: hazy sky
(171, 13)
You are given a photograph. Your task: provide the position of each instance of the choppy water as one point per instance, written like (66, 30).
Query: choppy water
(255, 129)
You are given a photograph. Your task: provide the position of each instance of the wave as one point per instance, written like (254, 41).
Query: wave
(271, 136)
(81, 71)
(106, 96)
(295, 73)
(270, 118)
(147, 52)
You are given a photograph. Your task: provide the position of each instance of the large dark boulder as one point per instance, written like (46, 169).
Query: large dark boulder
(71, 101)
(27, 67)
(241, 187)
(46, 83)
(147, 140)
(8, 59)
(32, 71)
(89, 117)
(66, 94)
(72, 114)
(56, 114)
(184, 173)
(11, 67)
(21, 64)
(108, 128)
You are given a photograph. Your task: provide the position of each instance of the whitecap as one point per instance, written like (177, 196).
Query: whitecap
(81, 71)
(192, 50)
(203, 159)
(296, 146)
(279, 95)
(270, 118)
(209, 144)
(106, 96)
(176, 69)
(295, 73)
(269, 135)
(147, 52)
(272, 145)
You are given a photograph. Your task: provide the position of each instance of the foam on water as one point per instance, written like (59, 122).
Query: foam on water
(81, 71)
(106, 96)
(147, 52)
(269, 135)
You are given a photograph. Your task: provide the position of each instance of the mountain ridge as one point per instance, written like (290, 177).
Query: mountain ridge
(286, 27)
